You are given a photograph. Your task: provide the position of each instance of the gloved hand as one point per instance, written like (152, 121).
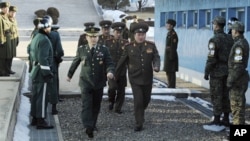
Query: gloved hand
(48, 77)
(206, 77)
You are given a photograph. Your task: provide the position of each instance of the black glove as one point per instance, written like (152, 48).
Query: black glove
(48, 78)
(206, 77)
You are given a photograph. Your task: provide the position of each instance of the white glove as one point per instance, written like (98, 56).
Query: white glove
(110, 75)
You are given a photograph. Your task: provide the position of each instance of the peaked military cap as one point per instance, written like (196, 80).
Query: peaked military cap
(36, 21)
(172, 22)
(105, 23)
(4, 4)
(140, 28)
(92, 31)
(219, 20)
(239, 26)
(13, 8)
(118, 26)
(89, 24)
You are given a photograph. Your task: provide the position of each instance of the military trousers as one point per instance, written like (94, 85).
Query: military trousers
(238, 100)
(142, 97)
(53, 90)
(91, 104)
(171, 79)
(9, 64)
(39, 99)
(3, 69)
(219, 95)
(117, 96)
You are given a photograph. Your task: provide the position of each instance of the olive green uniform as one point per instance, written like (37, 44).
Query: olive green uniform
(92, 80)
(5, 43)
(117, 95)
(140, 58)
(238, 78)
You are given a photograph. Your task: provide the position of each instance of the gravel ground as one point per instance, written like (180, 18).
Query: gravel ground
(164, 121)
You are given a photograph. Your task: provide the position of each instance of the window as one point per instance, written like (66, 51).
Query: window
(223, 13)
(241, 15)
(163, 19)
(195, 18)
(184, 19)
(208, 18)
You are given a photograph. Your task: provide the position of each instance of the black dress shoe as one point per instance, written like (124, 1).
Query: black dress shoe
(33, 122)
(89, 132)
(111, 106)
(12, 72)
(60, 100)
(118, 111)
(42, 124)
(138, 128)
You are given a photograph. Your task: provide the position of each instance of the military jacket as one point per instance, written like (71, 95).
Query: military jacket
(238, 61)
(219, 47)
(41, 56)
(5, 37)
(140, 58)
(58, 52)
(14, 36)
(82, 40)
(125, 34)
(171, 63)
(102, 39)
(93, 68)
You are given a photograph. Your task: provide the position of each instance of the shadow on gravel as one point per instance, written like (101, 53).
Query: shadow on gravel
(164, 121)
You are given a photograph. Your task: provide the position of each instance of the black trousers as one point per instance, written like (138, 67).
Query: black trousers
(171, 79)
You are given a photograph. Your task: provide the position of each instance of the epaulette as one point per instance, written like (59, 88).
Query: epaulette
(129, 43)
(149, 42)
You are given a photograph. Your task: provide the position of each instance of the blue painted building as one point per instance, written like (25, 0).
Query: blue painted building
(194, 29)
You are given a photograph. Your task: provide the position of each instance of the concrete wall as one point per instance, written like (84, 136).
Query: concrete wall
(192, 47)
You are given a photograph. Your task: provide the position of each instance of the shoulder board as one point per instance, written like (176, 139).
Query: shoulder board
(149, 42)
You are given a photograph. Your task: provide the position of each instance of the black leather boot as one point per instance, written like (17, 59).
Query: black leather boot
(89, 132)
(54, 110)
(42, 124)
(225, 120)
(33, 121)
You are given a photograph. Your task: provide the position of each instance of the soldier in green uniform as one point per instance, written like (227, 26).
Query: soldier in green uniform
(125, 32)
(142, 58)
(116, 91)
(5, 39)
(237, 80)
(41, 54)
(131, 34)
(95, 61)
(82, 39)
(105, 28)
(14, 35)
(216, 71)
(58, 53)
(171, 64)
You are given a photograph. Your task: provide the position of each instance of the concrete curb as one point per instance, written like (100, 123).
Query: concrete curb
(58, 128)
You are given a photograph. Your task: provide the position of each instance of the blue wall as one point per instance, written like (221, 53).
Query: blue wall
(194, 36)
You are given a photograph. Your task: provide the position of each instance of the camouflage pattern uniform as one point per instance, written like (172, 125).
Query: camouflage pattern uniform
(238, 76)
(219, 47)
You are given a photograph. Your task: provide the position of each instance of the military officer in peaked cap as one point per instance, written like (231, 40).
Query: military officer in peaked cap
(105, 28)
(142, 58)
(171, 55)
(82, 39)
(5, 39)
(95, 61)
(14, 36)
(116, 91)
